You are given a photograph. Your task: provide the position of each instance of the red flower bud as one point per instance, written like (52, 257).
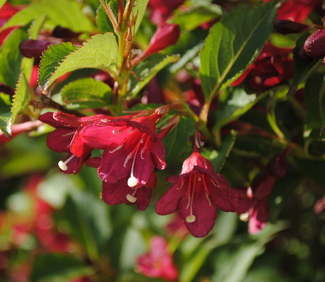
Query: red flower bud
(166, 35)
(287, 27)
(33, 48)
(315, 44)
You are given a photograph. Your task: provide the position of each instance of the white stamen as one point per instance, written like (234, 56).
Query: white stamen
(63, 164)
(133, 181)
(116, 149)
(190, 219)
(244, 217)
(131, 198)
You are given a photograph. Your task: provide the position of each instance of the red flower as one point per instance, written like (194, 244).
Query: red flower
(197, 193)
(158, 263)
(166, 35)
(272, 67)
(6, 12)
(259, 212)
(162, 9)
(315, 44)
(132, 148)
(296, 10)
(66, 138)
(121, 193)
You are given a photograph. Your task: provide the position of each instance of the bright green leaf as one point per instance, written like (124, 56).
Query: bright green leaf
(139, 10)
(21, 99)
(51, 58)
(86, 92)
(58, 267)
(147, 70)
(235, 104)
(100, 52)
(61, 12)
(2, 2)
(233, 43)
(197, 15)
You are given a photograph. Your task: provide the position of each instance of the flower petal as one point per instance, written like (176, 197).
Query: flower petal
(168, 203)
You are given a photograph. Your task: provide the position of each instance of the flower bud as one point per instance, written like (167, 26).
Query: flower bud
(65, 33)
(166, 35)
(287, 27)
(315, 44)
(33, 48)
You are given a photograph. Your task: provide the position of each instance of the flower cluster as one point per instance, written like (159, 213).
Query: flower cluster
(132, 150)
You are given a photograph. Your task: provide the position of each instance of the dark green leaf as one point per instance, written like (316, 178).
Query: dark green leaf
(314, 97)
(86, 93)
(177, 142)
(51, 58)
(233, 43)
(90, 226)
(226, 147)
(58, 267)
(100, 51)
(10, 58)
(145, 71)
(61, 12)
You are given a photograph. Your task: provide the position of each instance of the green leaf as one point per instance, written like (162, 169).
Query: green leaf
(314, 97)
(58, 267)
(2, 2)
(102, 21)
(223, 232)
(51, 59)
(4, 112)
(10, 58)
(60, 12)
(99, 52)
(139, 10)
(90, 226)
(36, 27)
(147, 70)
(234, 105)
(220, 159)
(196, 15)
(233, 43)
(86, 93)
(177, 142)
(21, 99)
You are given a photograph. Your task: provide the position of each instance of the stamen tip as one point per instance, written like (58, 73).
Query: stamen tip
(132, 182)
(244, 217)
(131, 198)
(190, 218)
(62, 165)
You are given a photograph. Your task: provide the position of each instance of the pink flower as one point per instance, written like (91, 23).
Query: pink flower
(65, 138)
(121, 193)
(272, 67)
(132, 148)
(158, 263)
(197, 193)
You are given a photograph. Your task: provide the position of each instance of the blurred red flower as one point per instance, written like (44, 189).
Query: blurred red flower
(158, 262)
(272, 67)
